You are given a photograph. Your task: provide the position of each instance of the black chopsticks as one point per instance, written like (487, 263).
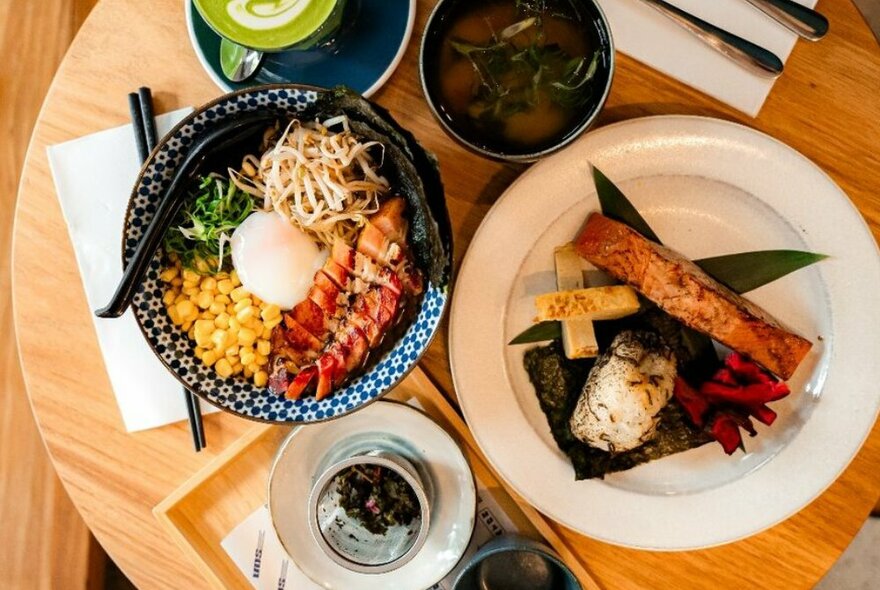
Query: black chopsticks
(140, 105)
(196, 426)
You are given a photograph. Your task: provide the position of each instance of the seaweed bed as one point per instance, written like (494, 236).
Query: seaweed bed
(558, 382)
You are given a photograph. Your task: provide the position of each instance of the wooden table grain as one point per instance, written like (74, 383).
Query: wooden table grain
(826, 105)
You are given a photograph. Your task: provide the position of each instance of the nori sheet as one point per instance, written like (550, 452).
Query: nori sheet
(558, 383)
(417, 172)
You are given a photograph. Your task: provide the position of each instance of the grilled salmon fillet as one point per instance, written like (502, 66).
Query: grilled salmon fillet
(681, 289)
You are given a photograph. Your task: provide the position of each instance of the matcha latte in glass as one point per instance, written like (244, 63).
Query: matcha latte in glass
(273, 25)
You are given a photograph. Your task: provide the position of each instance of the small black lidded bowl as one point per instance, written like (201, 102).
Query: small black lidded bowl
(435, 62)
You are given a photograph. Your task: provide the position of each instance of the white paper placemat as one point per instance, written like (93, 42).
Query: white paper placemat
(646, 35)
(93, 177)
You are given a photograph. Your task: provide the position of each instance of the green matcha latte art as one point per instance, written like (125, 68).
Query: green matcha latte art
(272, 24)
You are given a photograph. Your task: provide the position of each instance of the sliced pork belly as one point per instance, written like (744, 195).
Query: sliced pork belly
(390, 220)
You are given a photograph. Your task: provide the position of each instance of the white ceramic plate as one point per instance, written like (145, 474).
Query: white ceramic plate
(707, 187)
(309, 450)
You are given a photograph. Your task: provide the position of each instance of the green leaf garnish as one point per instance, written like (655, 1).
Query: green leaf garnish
(518, 69)
(202, 230)
(747, 271)
(540, 332)
(615, 205)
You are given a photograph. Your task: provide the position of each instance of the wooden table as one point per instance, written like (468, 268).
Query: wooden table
(826, 106)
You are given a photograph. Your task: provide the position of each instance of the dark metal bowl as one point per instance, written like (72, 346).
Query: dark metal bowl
(428, 71)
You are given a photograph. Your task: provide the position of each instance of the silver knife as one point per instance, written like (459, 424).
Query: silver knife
(804, 21)
(749, 55)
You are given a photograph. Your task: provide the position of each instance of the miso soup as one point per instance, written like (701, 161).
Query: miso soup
(518, 75)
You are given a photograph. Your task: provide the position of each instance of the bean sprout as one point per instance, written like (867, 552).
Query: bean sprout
(325, 183)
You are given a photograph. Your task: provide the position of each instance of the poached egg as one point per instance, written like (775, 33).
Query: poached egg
(275, 260)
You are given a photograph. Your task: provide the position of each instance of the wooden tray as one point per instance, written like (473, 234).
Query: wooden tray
(201, 512)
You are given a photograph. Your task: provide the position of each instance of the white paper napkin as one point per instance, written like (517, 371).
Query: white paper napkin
(93, 177)
(646, 35)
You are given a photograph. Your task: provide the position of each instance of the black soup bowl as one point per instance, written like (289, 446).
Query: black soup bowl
(450, 57)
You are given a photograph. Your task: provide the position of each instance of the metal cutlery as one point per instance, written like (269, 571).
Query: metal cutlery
(804, 21)
(238, 63)
(749, 55)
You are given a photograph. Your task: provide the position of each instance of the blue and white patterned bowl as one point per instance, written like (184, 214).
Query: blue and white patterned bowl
(176, 350)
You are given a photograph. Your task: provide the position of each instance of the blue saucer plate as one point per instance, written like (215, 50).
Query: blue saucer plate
(367, 50)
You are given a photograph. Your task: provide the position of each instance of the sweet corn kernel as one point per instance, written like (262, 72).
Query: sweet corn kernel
(184, 308)
(246, 337)
(205, 299)
(180, 297)
(233, 276)
(168, 298)
(232, 351)
(187, 324)
(209, 284)
(272, 323)
(209, 357)
(217, 308)
(222, 320)
(218, 337)
(204, 328)
(169, 274)
(223, 368)
(199, 352)
(191, 275)
(261, 378)
(270, 311)
(242, 303)
(231, 339)
(245, 314)
(238, 294)
(225, 286)
(237, 368)
(247, 373)
(267, 333)
(257, 301)
(234, 324)
(254, 324)
(254, 367)
(190, 290)
(247, 357)
(261, 360)
(223, 299)
(174, 315)
(176, 282)
(264, 347)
